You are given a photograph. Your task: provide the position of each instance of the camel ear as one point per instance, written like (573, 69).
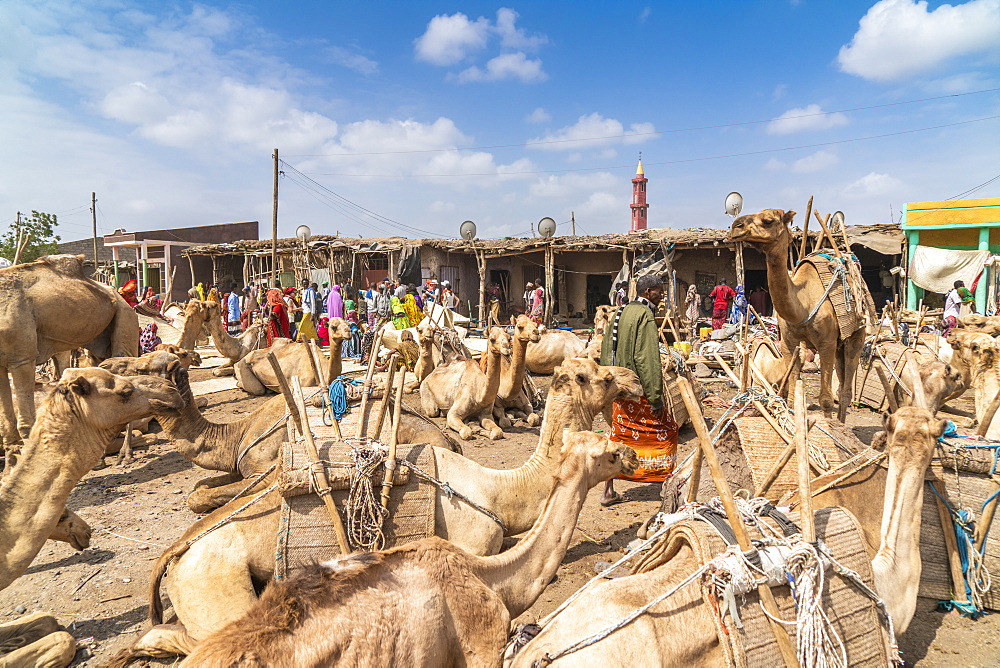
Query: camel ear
(560, 381)
(787, 218)
(939, 428)
(889, 421)
(80, 386)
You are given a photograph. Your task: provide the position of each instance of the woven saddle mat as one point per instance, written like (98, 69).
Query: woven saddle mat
(873, 393)
(849, 318)
(852, 614)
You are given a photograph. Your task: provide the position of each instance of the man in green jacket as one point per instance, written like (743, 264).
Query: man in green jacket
(632, 341)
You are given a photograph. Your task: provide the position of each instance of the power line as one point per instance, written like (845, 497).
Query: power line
(627, 135)
(672, 162)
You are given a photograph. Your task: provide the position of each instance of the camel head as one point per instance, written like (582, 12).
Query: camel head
(425, 332)
(600, 458)
(499, 341)
(940, 381)
(195, 309)
(525, 329)
(602, 317)
(980, 352)
(188, 358)
(340, 329)
(212, 309)
(159, 363)
(765, 228)
(106, 401)
(72, 529)
(911, 436)
(593, 385)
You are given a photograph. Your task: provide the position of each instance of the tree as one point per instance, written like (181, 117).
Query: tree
(43, 241)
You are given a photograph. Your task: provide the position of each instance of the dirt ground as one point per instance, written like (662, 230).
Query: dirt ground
(137, 511)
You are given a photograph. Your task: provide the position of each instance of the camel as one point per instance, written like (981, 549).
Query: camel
(255, 376)
(554, 346)
(425, 362)
(75, 421)
(207, 316)
(602, 318)
(978, 357)
(372, 601)
(48, 307)
(511, 395)
(794, 296)
(243, 448)
(688, 635)
(188, 358)
(465, 391)
(216, 579)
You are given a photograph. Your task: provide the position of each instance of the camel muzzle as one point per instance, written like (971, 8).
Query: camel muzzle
(630, 460)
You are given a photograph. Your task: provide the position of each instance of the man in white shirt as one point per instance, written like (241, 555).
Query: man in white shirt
(952, 308)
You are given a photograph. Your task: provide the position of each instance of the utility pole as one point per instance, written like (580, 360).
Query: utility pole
(572, 220)
(93, 213)
(274, 224)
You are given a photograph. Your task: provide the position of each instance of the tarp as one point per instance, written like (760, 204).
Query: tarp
(887, 243)
(409, 265)
(937, 269)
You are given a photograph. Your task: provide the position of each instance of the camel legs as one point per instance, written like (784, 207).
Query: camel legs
(34, 640)
(8, 418)
(246, 380)
(848, 354)
(457, 424)
(24, 387)
(212, 493)
(485, 419)
(827, 363)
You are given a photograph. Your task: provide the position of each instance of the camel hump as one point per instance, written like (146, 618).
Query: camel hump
(66, 263)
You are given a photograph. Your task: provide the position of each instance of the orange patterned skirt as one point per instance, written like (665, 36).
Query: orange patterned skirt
(653, 436)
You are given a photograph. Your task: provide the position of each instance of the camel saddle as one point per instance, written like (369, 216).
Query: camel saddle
(853, 615)
(305, 529)
(841, 272)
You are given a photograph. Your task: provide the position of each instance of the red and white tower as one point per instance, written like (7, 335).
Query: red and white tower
(638, 205)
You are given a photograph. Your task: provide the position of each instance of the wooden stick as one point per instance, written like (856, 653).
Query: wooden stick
(365, 396)
(991, 410)
(805, 229)
(285, 390)
(794, 369)
(888, 388)
(694, 482)
(390, 460)
(826, 233)
(806, 519)
(951, 545)
(985, 520)
(735, 519)
(385, 397)
(319, 469)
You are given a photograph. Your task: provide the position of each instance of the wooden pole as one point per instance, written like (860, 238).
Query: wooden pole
(735, 519)
(984, 425)
(365, 396)
(286, 391)
(806, 519)
(274, 222)
(390, 460)
(805, 230)
(951, 544)
(93, 213)
(826, 233)
(385, 398)
(319, 469)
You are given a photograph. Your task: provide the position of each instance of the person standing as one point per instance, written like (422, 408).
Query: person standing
(722, 295)
(621, 294)
(760, 299)
(233, 311)
(370, 309)
(529, 297)
(956, 298)
(692, 303)
(277, 323)
(632, 341)
(449, 299)
(335, 303)
(538, 301)
(382, 305)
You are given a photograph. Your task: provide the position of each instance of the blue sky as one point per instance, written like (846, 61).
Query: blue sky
(408, 118)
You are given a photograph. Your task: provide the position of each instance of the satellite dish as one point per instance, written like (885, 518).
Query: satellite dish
(734, 204)
(467, 230)
(837, 221)
(546, 227)
(302, 233)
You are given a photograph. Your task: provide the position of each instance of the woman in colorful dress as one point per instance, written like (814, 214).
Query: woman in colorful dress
(277, 323)
(128, 293)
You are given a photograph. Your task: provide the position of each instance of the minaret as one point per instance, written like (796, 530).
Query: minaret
(638, 205)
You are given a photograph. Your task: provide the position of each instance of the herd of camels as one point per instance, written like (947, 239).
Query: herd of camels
(448, 599)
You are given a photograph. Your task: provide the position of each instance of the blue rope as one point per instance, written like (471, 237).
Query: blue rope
(338, 396)
(963, 526)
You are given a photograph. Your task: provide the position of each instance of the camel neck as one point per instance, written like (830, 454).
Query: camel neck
(228, 346)
(192, 328)
(336, 365)
(780, 285)
(518, 365)
(519, 575)
(207, 444)
(59, 452)
(492, 375)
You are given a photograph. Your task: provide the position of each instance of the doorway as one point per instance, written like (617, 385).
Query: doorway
(501, 278)
(598, 289)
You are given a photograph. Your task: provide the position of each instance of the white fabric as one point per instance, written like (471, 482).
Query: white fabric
(937, 269)
(953, 304)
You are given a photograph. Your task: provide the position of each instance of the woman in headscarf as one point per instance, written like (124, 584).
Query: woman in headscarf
(294, 310)
(150, 304)
(323, 332)
(200, 289)
(277, 323)
(413, 312)
(148, 340)
(399, 318)
(128, 293)
(335, 303)
(213, 295)
(691, 302)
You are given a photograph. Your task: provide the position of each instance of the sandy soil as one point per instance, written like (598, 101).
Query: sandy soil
(137, 511)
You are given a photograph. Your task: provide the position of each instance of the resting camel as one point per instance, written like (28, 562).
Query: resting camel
(687, 635)
(554, 346)
(427, 603)
(602, 318)
(242, 448)
(48, 306)
(255, 375)
(216, 580)
(188, 358)
(78, 417)
(794, 296)
(511, 395)
(978, 357)
(465, 391)
(206, 316)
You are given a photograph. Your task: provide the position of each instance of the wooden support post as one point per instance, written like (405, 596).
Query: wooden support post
(950, 544)
(286, 391)
(889, 389)
(393, 358)
(826, 233)
(735, 519)
(390, 460)
(319, 470)
(365, 399)
(806, 519)
(803, 245)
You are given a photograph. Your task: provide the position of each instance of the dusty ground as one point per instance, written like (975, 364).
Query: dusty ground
(137, 511)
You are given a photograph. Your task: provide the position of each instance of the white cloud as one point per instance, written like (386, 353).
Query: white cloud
(593, 130)
(605, 206)
(774, 165)
(505, 66)
(539, 115)
(352, 61)
(450, 39)
(553, 186)
(816, 162)
(438, 206)
(873, 184)
(805, 119)
(899, 39)
(512, 37)
(644, 14)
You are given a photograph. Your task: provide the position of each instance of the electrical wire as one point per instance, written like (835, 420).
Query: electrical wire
(627, 135)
